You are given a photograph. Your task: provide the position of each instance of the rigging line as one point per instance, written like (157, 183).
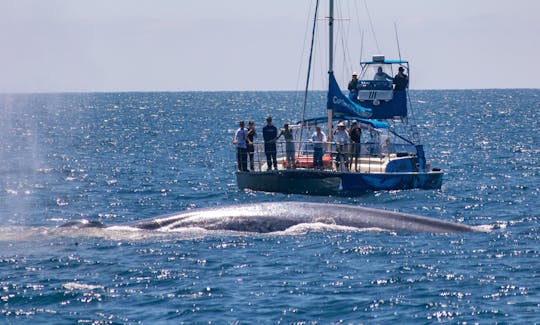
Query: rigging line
(339, 36)
(360, 30)
(344, 35)
(298, 77)
(402, 137)
(309, 69)
(361, 45)
(397, 40)
(372, 29)
(412, 127)
(346, 67)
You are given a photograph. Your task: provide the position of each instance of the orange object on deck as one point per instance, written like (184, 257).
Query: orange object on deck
(303, 161)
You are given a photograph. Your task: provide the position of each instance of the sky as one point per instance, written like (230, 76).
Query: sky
(242, 45)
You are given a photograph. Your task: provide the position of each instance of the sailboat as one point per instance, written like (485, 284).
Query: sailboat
(385, 158)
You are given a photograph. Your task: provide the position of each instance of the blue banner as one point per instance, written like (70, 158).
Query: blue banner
(341, 104)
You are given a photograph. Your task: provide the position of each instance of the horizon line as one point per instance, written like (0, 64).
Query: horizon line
(220, 91)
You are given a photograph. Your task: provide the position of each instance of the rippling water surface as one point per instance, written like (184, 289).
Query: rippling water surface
(122, 157)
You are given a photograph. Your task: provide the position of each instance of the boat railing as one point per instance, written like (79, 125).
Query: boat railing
(372, 157)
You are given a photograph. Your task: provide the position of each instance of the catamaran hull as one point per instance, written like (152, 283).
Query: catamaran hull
(343, 183)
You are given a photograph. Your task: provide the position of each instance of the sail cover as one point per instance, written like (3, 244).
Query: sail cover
(341, 104)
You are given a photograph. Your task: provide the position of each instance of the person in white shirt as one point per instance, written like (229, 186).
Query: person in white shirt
(341, 137)
(318, 138)
(241, 141)
(381, 75)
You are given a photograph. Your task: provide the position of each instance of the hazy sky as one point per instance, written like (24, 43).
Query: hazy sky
(183, 45)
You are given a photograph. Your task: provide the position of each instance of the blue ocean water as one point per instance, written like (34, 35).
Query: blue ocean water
(120, 157)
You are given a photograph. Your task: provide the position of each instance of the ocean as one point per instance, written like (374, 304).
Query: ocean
(123, 157)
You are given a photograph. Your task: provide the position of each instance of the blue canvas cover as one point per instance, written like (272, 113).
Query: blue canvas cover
(397, 107)
(341, 104)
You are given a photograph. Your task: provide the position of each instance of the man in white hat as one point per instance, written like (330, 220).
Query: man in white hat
(341, 137)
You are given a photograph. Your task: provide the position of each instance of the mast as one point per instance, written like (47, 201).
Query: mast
(331, 37)
(331, 61)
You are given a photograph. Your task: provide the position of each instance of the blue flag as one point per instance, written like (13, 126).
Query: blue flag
(341, 104)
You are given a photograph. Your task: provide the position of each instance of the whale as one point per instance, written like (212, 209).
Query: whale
(269, 217)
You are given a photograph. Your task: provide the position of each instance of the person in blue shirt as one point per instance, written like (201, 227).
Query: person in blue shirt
(241, 141)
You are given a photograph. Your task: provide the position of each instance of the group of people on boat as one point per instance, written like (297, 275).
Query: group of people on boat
(347, 143)
(244, 141)
(400, 80)
(347, 146)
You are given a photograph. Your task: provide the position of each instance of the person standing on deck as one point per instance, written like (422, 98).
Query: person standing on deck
(341, 137)
(252, 134)
(353, 86)
(381, 75)
(241, 140)
(318, 138)
(401, 80)
(269, 137)
(287, 133)
(355, 133)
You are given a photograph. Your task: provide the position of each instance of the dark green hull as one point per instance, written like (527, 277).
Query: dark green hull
(315, 182)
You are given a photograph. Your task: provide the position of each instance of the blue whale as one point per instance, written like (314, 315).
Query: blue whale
(280, 216)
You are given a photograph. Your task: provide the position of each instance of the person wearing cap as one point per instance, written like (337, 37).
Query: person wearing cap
(269, 137)
(241, 141)
(287, 133)
(355, 133)
(341, 137)
(353, 86)
(401, 80)
(318, 138)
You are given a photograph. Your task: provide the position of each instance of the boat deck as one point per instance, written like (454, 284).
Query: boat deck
(368, 160)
